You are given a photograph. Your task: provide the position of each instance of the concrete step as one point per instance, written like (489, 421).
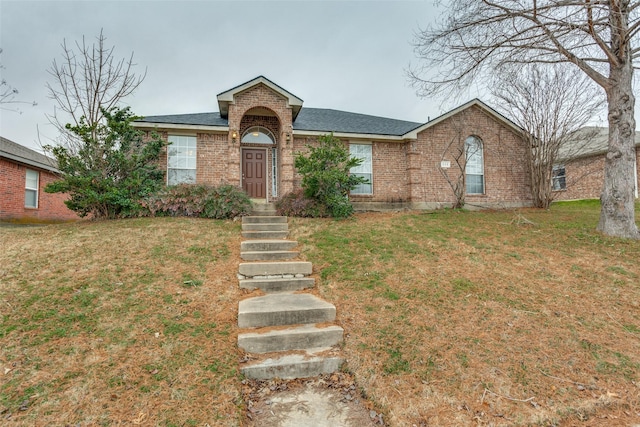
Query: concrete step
(252, 269)
(265, 234)
(263, 219)
(267, 245)
(268, 255)
(292, 366)
(259, 206)
(284, 284)
(284, 309)
(265, 227)
(264, 213)
(300, 338)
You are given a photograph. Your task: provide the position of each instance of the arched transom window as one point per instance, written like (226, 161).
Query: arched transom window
(474, 168)
(258, 135)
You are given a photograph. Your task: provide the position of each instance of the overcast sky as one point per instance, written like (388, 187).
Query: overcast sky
(345, 55)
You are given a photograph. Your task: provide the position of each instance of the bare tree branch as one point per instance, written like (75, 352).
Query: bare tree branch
(87, 80)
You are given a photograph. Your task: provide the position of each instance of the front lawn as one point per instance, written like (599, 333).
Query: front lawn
(451, 318)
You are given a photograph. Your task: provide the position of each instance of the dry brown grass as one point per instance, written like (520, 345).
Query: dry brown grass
(100, 328)
(469, 318)
(451, 319)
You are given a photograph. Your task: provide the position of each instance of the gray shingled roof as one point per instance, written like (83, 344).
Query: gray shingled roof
(325, 120)
(587, 142)
(199, 119)
(310, 119)
(20, 153)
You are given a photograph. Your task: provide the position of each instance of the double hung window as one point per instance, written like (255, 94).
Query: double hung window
(474, 168)
(365, 169)
(181, 160)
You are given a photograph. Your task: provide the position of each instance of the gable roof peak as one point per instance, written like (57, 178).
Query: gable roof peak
(225, 98)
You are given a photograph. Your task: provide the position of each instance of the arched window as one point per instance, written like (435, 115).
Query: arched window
(258, 135)
(474, 169)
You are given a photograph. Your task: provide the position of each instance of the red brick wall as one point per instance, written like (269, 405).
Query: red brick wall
(51, 207)
(505, 173)
(390, 176)
(211, 150)
(585, 177)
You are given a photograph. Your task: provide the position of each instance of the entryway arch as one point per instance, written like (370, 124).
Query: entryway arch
(259, 130)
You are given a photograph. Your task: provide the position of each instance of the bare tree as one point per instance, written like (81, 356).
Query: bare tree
(8, 95)
(550, 103)
(455, 150)
(597, 36)
(88, 80)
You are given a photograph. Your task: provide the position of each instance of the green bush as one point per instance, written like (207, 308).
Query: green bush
(110, 169)
(326, 177)
(201, 201)
(297, 204)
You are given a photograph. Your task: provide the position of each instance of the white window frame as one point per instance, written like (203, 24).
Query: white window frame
(30, 189)
(274, 172)
(474, 167)
(185, 159)
(365, 169)
(258, 135)
(560, 180)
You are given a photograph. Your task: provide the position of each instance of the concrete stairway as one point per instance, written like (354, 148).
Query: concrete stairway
(285, 332)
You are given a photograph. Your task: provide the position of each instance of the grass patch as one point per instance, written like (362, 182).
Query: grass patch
(110, 322)
(441, 305)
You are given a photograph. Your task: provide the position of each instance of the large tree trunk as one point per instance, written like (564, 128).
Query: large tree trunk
(617, 216)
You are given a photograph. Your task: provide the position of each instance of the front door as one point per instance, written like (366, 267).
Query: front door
(254, 173)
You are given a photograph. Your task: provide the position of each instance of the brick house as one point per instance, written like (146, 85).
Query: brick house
(579, 170)
(23, 175)
(252, 140)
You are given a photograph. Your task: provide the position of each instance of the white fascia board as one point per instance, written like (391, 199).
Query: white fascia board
(29, 162)
(347, 135)
(172, 126)
(291, 98)
(414, 133)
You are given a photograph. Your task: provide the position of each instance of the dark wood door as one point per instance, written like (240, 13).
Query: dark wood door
(254, 173)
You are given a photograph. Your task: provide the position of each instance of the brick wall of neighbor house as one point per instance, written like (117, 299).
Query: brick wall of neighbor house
(51, 207)
(585, 177)
(505, 172)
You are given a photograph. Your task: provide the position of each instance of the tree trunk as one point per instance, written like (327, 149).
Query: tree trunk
(617, 216)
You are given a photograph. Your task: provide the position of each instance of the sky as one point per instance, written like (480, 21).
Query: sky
(344, 55)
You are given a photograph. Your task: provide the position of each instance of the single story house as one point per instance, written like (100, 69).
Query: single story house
(252, 140)
(579, 169)
(23, 175)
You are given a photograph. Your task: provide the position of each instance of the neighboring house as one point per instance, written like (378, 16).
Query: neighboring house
(23, 175)
(579, 170)
(253, 139)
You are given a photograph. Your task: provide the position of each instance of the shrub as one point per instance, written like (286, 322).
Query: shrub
(297, 204)
(326, 175)
(202, 201)
(110, 169)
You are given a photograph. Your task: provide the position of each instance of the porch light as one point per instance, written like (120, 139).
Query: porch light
(234, 136)
(288, 137)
